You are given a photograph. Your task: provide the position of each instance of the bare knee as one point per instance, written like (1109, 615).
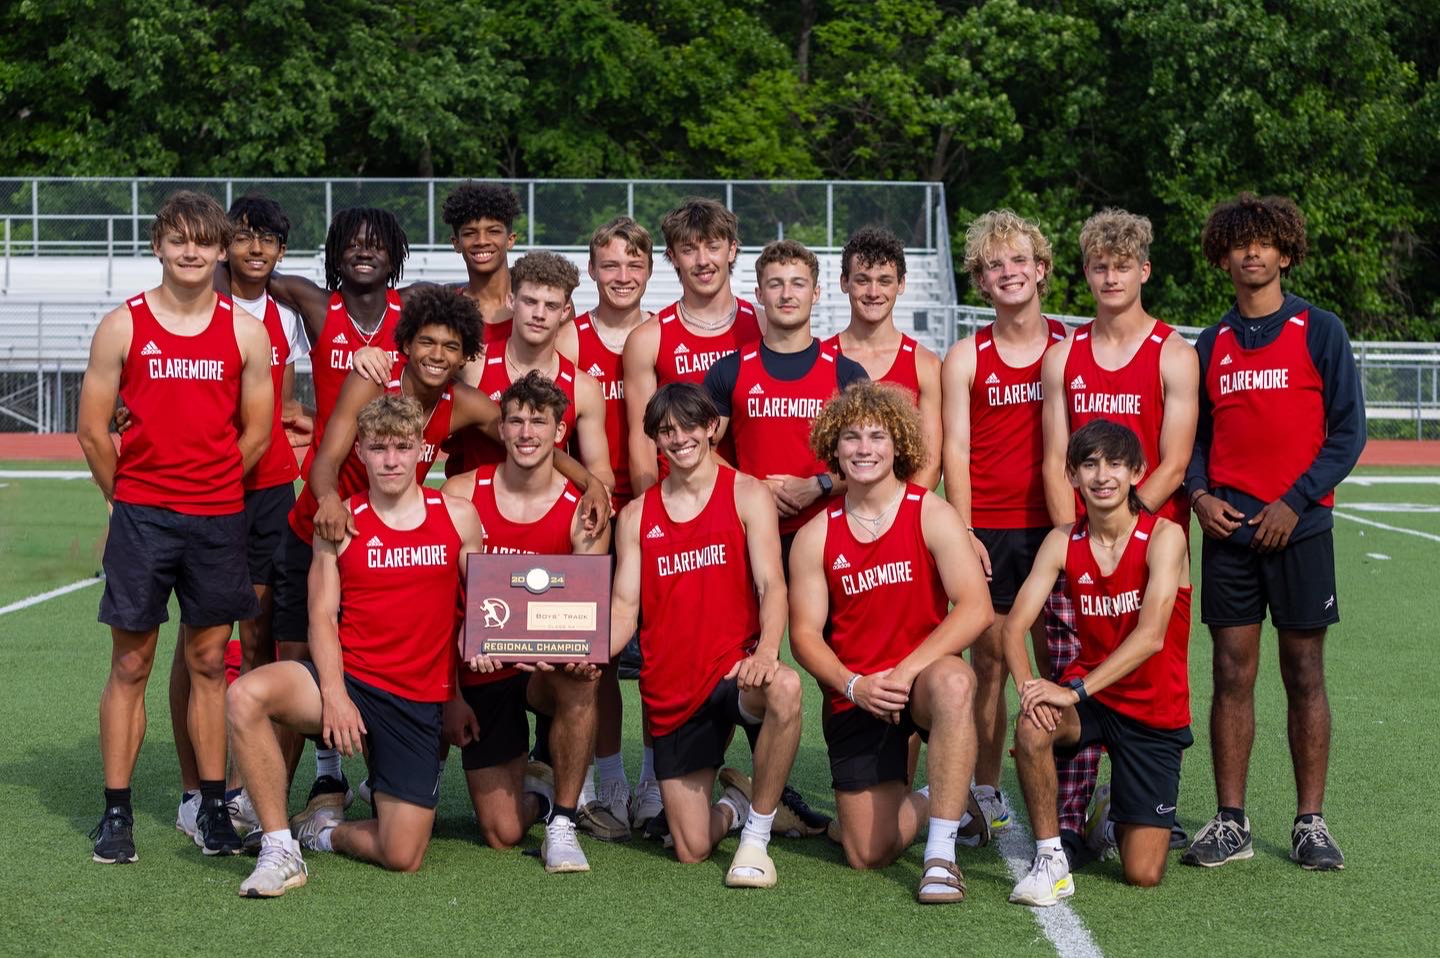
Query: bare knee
(1030, 739)
(206, 663)
(1146, 875)
(782, 696)
(403, 857)
(951, 687)
(869, 855)
(242, 706)
(132, 668)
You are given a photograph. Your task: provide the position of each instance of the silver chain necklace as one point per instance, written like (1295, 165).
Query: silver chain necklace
(872, 524)
(690, 319)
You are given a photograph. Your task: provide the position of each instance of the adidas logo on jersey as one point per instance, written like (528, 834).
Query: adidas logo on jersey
(682, 348)
(595, 370)
(991, 380)
(340, 340)
(374, 541)
(1078, 383)
(841, 562)
(1085, 580)
(1227, 361)
(496, 395)
(150, 349)
(756, 390)
(655, 533)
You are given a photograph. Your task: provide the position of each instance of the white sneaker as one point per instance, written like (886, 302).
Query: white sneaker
(186, 813)
(1099, 835)
(280, 868)
(996, 808)
(242, 813)
(647, 804)
(561, 847)
(1046, 884)
(366, 794)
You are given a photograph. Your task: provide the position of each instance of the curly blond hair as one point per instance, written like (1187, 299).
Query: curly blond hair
(1118, 233)
(992, 231)
(392, 416)
(868, 403)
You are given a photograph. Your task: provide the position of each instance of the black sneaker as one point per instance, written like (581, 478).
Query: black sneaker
(1219, 841)
(657, 827)
(114, 837)
(1311, 845)
(330, 786)
(214, 832)
(795, 818)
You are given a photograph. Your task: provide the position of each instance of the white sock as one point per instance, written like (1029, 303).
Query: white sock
(587, 788)
(612, 769)
(757, 829)
(280, 837)
(924, 790)
(1053, 848)
(647, 764)
(940, 840)
(965, 819)
(322, 839)
(327, 763)
(734, 811)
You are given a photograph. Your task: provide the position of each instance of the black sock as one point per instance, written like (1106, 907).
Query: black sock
(567, 811)
(212, 790)
(1307, 817)
(118, 797)
(1233, 813)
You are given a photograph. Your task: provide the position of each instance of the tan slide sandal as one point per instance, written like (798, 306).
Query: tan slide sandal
(750, 856)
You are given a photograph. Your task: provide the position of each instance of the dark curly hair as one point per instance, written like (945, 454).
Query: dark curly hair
(1249, 217)
(434, 305)
(472, 201)
(385, 233)
(535, 391)
(872, 246)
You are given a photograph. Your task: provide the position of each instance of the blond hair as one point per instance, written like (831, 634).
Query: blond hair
(1118, 233)
(991, 232)
(392, 416)
(866, 403)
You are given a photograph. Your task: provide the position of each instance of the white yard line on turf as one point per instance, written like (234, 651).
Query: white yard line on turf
(1392, 480)
(42, 597)
(1061, 925)
(45, 474)
(1393, 529)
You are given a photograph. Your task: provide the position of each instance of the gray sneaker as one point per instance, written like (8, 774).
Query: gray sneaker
(1312, 846)
(317, 817)
(560, 848)
(607, 816)
(280, 868)
(1221, 840)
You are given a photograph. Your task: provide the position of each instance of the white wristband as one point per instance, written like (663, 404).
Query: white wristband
(850, 687)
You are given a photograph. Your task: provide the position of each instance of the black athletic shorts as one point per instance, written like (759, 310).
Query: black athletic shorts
(290, 620)
(499, 708)
(1012, 554)
(267, 514)
(700, 742)
(1144, 763)
(865, 750)
(1297, 583)
(786, 541)
(402, 741)
(151, 552)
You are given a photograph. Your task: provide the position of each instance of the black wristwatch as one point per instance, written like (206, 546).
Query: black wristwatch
(826, 486)
(1078, 685)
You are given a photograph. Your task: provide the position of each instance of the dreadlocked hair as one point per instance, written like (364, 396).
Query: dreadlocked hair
(386, 234)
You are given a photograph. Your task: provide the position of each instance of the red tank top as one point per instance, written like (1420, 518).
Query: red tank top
(277, 466)
(685, 356)
(903, 370)
(701, 612)
(601, 362)
(1007, 487)
(400, 595)
(182, 450)
(333, 355)
(1107, 609)
(352, 478)
(770, 420)
(495, 333)
(549, 535)
(1250, 392)
(886, 597)
(1132, 396)
(475, 448)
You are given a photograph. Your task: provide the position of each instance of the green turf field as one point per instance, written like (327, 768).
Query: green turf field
(472, 900)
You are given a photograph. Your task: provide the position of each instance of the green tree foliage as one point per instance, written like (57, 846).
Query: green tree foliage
(1056, 109)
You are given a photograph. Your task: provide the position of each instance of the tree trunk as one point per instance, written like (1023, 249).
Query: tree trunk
(802, 48)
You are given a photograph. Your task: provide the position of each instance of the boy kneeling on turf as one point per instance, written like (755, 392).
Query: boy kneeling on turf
(1128, 574)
